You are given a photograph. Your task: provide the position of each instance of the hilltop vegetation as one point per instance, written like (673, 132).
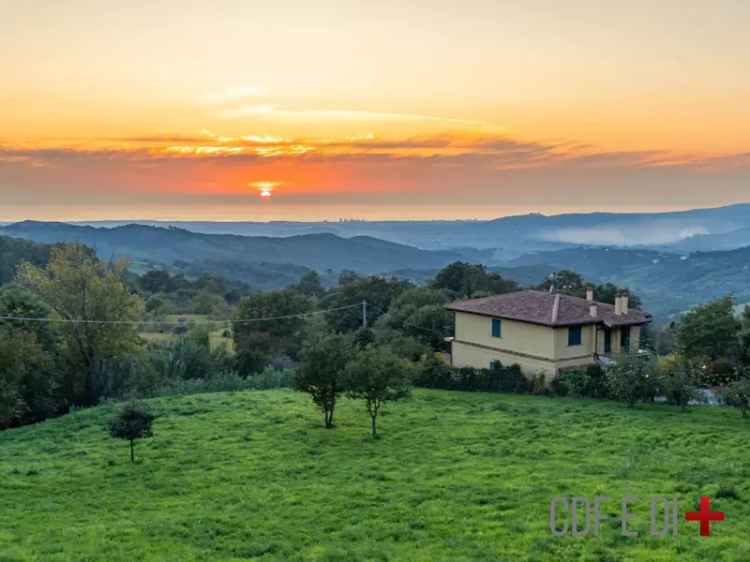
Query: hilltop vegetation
(456, 476)
(668, 283)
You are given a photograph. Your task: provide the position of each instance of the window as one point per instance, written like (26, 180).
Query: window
(625, 338)
(497, 328)
(574, 335)
(607, 340)
(495, 364)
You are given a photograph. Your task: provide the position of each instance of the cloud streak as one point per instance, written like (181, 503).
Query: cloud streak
(378, 176)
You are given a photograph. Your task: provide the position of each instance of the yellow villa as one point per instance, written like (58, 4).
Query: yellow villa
(542, 332)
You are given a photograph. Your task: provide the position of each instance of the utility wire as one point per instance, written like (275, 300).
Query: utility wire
(175, 323)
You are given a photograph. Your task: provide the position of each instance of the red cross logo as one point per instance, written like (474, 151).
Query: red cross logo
(705, 516)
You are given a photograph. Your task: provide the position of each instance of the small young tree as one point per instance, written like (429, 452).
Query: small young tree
(632, 378)
(678, 380)
(377, 375)
(132, 422)
(321, 371)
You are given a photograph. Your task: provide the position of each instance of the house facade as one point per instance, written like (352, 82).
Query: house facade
(542, 332)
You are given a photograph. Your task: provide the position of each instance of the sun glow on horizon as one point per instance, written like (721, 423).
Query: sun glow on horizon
(265, 188)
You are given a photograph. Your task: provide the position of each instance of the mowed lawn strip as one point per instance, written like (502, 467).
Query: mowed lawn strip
(456, 476)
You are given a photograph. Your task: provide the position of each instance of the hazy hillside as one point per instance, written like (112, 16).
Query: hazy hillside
(669, 283)
(711, 242)
(512, 236)
(168, 245)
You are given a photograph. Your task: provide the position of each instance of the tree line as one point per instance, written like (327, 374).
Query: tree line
(96, 348)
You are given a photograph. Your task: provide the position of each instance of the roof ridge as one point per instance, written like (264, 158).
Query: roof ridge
(556, 308)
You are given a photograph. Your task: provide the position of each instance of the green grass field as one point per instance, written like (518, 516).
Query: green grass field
(456, 476)
(216, 335)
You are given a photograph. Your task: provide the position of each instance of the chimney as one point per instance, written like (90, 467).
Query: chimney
(590, 294)
(594, 310)
(621, 303)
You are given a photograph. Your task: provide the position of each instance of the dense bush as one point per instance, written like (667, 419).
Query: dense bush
(737, 394)
(632, 379)
(228, 382)
(435, 373)
(582, 382)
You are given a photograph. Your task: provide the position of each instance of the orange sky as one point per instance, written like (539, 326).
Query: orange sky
(302, 110)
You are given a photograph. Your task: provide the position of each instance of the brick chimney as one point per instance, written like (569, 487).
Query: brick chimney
(590, 294)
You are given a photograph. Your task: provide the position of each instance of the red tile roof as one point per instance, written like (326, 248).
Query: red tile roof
(538, 307)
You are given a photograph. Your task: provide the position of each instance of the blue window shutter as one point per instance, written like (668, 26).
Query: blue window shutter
(574, 335)
(625, 338)
(497, 328)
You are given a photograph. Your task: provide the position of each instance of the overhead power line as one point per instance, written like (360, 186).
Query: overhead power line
(176, 323)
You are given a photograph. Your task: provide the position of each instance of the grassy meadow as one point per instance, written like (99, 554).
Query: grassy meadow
(456, 476)
(217, 337)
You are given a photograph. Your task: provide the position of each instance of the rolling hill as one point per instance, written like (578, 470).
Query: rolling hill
(233, 254)
(509, 237)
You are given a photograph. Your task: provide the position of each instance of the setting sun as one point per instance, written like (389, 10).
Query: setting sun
(265, 188)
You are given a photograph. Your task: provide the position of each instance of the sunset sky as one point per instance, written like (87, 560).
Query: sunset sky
(253, 110)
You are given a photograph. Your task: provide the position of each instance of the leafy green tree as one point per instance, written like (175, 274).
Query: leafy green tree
(258, 341)
(420, 312)
(321, 371)
(209, 303)
(158, 281)
(134, 421)
(158, 306)
(566, 282)
(632, 379)
(465, 280)
(310, 284)
(571, 283)
(93, 298)
(377, 376)
(710, 331)
(678, 380)
(379, 293)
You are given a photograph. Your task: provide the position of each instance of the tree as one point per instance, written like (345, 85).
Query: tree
(132, 422)
(379, 293)
(158, 281)
(321, 371)
(420, 313)
(310, 285)
(710, 331)
(257, 341)
(632, 378)
(94, 299)
(571, 283)
(737, 394)
(377, 376)
(678, 380)
(465, 280)
(745, 338)
(566, 282)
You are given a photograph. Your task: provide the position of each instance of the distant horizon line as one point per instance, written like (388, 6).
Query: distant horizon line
(7, 222)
